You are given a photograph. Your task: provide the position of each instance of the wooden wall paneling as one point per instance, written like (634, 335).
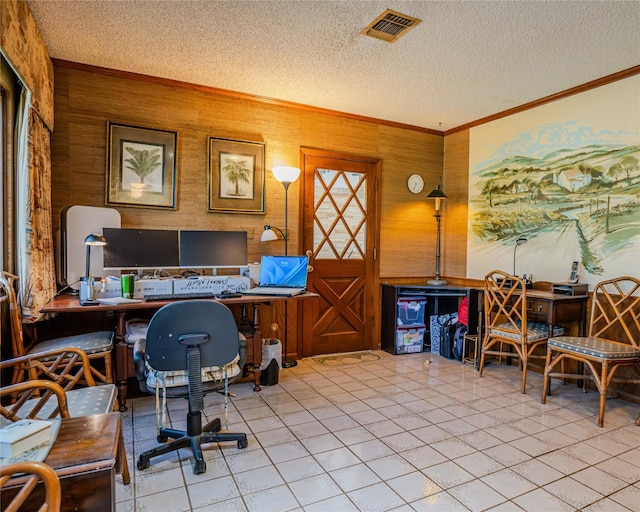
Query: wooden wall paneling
(86, 101)
(408, 228)
(454, 217)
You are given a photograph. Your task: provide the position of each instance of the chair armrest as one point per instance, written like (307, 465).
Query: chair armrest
(29, 398)
(66, 366)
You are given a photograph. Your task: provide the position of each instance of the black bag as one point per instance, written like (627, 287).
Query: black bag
(458, 341)
(446, 340)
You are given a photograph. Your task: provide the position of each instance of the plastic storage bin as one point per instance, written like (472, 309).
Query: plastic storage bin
(410, 311)
(409, 340)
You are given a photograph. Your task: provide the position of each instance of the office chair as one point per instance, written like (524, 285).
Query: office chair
(191, 335)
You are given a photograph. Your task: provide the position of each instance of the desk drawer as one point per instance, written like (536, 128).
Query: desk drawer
(538, 307)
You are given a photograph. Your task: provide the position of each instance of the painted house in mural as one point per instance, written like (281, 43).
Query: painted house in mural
(573, 179)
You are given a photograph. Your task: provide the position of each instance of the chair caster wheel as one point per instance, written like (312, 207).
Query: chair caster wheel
(142, 463)
(242, 443)
(162, 439)
(200, 467)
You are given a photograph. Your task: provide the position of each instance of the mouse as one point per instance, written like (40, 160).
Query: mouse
(229, 293)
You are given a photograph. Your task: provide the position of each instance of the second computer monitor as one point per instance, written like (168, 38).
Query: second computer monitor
(201, 249)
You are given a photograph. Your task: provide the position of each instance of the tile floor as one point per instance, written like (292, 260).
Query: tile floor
(415, 432)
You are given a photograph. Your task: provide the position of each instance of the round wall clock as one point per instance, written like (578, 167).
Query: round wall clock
(415, 183)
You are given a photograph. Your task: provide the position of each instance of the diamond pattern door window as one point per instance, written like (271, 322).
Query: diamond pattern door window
(339, 214)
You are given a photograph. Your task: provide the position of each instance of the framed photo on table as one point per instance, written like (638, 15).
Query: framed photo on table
(141, 167)
(236, 176)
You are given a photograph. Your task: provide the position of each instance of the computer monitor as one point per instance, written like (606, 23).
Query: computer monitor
(140, 248)
(203, 249)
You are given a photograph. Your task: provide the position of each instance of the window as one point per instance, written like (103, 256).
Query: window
(9, 94)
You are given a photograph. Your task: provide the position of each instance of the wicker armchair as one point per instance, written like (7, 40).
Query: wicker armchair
(613, 342)
(97, 345)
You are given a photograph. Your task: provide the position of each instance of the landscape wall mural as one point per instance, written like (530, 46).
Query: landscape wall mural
(565, 176)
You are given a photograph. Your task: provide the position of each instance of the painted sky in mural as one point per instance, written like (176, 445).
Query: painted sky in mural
(565, 176)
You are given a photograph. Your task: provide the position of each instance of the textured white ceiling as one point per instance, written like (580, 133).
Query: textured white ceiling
(465, 61)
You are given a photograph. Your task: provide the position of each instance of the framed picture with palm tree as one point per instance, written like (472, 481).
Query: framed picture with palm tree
(141, 167)
(236, 176)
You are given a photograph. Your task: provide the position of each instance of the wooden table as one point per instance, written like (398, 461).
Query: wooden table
(249, 326)
(84, 456)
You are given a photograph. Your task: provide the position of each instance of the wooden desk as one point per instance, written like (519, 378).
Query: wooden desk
(553, 309)
(547, 307)
(124, 369)
(84, 456)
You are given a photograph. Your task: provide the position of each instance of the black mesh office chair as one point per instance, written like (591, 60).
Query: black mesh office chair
(191, 335)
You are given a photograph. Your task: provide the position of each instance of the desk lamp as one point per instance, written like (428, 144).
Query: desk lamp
(438, 195)
(269, 234)
(519, 241)
(87, 295)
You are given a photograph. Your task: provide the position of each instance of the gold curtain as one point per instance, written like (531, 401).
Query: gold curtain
(39, 285)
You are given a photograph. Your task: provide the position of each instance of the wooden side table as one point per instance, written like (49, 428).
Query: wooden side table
(85, 457)
(467, 341)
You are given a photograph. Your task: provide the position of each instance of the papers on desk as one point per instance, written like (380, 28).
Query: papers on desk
(28, 440)
(112, 301)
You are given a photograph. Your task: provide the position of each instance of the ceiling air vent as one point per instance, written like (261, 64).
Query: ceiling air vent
(390, 25)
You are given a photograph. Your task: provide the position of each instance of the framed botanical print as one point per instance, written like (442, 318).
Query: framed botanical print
(141, 167)
(236, 176)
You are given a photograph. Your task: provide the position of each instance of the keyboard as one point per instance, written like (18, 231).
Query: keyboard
(171, 296)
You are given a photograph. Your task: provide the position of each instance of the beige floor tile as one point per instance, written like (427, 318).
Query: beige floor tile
(540, 499)
(476, 495)
(413, 486)
(258, 479)
(275, 499)
(354, 477)
(537, 472)
(174, 500)
(573, 492)
(448, 474)
(391, 466)
(212, 491)
(300, 468)
(376, 498)
(314, 489)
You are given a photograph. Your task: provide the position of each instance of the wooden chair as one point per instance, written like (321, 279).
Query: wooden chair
(32, 473)
(63, 374)
(613, 341)
(508, 333)
(66, 368)
(97, 345)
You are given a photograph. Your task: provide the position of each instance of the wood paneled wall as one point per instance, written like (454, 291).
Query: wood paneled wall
(85, 101)
(455, 216)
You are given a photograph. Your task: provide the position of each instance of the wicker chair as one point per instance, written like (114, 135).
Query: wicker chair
(58, 375)
(97, 345)
(28, 474)
(506, 325)
(613, 341)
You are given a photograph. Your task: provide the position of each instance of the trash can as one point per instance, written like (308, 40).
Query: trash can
(271, 361)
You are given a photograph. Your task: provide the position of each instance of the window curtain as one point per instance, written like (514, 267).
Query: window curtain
(36, 267)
